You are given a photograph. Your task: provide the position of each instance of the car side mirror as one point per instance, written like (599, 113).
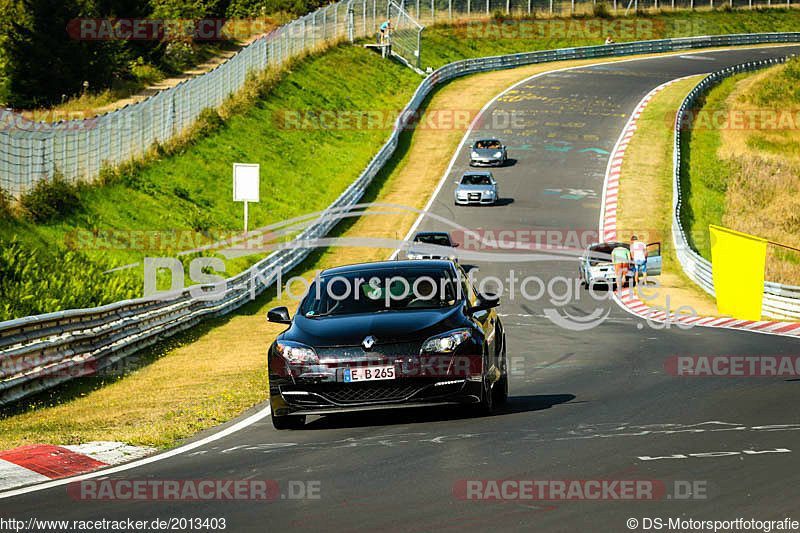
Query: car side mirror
(484, 303)
(279, 315)
(456, 244)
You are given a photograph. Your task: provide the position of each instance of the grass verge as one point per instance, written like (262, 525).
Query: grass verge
(742, 169)
(645, 196)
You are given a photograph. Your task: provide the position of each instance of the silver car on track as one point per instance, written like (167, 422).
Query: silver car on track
(488, 152)
(476, 187)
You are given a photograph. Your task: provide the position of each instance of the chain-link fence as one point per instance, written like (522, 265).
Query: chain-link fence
(406, 35)
(78, 149)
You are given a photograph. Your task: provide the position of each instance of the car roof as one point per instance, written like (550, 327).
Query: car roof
(486, 139)
(609, 244)
(426, 233)
(476, 173)
(388, 265)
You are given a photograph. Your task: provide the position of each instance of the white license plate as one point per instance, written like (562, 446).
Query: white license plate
(370, 373)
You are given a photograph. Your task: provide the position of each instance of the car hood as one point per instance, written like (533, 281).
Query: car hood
(475, 188)
(486, 152)
(431, 249)
(386, 327)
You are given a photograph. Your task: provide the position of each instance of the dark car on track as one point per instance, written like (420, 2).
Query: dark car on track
(387, 335)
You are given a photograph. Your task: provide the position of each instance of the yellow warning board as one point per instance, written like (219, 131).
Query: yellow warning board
(737, 262)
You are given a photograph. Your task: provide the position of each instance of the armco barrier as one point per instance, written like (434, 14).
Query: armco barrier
(39, 352)
(780, 301)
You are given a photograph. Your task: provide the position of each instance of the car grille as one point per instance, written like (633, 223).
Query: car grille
(474, 196)
(399, 349)
(367, 392)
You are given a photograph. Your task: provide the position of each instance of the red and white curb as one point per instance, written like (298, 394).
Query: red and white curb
(629, 300)
(36, 463)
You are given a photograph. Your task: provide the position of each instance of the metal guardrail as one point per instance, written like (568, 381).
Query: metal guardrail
(780, 301)
(38, 352)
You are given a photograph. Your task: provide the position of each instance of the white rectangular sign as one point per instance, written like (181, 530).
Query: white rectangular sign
(245, 182)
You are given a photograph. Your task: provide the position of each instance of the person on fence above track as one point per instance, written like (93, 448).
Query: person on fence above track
(609, 40)
(621, 257)
(639, 253)
(383, 35)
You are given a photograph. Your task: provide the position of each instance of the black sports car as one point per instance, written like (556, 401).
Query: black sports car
(385, 335)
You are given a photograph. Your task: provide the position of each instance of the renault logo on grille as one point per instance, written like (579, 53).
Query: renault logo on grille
(368, 342)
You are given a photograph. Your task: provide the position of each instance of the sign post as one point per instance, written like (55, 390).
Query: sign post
(246, 185)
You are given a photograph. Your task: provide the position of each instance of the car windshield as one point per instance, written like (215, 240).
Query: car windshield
(433, 238)
(390, 289)
(601, 253)
(476, 179)
(488, 144)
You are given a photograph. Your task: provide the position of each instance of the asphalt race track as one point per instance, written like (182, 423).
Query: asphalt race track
(584, 404)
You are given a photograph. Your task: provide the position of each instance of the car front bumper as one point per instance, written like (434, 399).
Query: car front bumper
(329, 398)
(483, 200)
(486, 162)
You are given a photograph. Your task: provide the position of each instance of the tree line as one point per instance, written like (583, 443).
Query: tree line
(41, 64)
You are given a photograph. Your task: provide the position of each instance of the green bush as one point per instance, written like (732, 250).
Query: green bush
(34, 281)
(5, 204)
(50, 199)
(601, 11)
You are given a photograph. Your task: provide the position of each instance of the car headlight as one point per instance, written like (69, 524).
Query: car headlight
(474, 155)
(296, 353)
(461, 194)
(498, 154)
(446, 342)
(488, 193)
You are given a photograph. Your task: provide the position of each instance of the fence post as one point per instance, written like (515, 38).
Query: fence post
(487, 7)
(303, 38)
(450, 9)
(571, 7)
(529, 7)
(468, 6)
(508, 7)
(364, 15)
(551, 6)
(351, 20)
(419, 48)
(433, 13)
(325, 24)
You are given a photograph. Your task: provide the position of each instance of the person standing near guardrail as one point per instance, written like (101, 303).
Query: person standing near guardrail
(639, 253)
(386, 27)
(621, 257)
